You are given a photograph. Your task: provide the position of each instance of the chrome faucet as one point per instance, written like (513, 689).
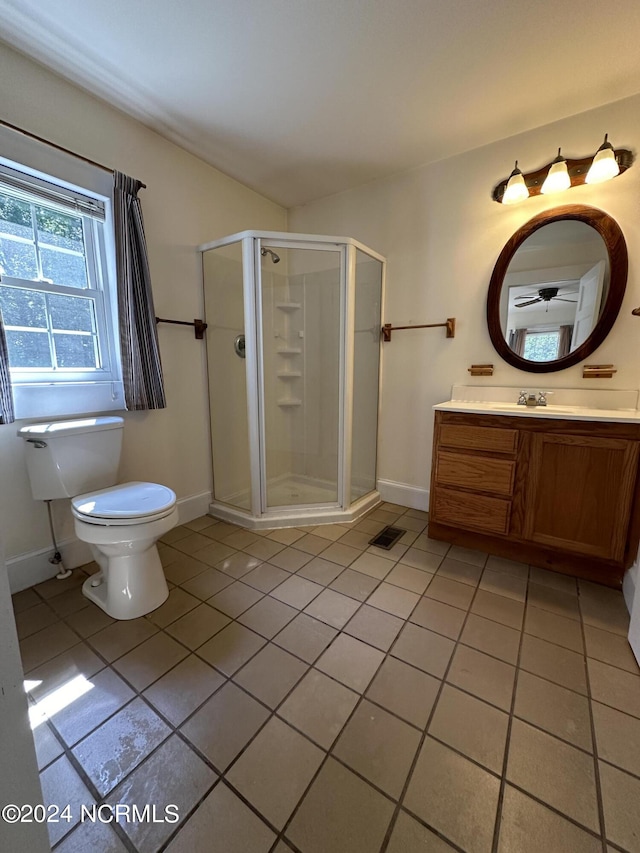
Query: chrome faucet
(526, 398)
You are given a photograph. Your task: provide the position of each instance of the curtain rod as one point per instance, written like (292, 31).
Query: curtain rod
(60, 148)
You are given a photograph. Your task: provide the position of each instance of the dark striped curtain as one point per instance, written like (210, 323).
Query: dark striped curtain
(517, 341)
(7, 415)
(141, 367)
(564, 341)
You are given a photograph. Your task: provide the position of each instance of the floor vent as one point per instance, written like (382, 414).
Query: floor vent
(387, 537)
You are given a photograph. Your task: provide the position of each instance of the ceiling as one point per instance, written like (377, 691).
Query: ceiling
(300, 99)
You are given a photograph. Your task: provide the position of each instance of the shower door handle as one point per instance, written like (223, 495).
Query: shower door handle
(239, 346)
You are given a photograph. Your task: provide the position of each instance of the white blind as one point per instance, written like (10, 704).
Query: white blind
(26, 187)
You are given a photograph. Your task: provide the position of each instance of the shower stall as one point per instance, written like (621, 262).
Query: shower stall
(293, 356)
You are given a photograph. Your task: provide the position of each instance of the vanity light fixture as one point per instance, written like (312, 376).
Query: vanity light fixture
(563, 173)
(516, 189)
(557, 177)
(604, 166)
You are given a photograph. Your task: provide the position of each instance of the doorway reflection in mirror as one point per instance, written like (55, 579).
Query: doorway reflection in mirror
(554, 290)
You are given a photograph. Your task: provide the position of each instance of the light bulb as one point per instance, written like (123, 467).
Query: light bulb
(604, 165)
(558, 177)
(516, 189)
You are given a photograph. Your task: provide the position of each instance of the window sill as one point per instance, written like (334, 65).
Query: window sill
(64, 399)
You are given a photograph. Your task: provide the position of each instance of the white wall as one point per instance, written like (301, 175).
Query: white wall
(186, 203)
(442, 233)
(437, 225)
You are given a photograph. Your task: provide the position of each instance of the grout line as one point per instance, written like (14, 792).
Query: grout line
(507, 745)
(188, 815)
(329, 752)
(271, 713)
(85, 779)
(596, 768)
(274, 711)
(163, 629)
(418, 752)
(281, 833)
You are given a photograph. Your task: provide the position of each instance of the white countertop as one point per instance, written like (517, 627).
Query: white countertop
(557, 412)
(614, 406)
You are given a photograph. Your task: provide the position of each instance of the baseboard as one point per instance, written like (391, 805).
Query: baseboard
(629, 583)
(34, 567)
(29, 569)
(403, 494)
(193, 507)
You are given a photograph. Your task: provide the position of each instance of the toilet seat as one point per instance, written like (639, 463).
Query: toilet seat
(125, 504)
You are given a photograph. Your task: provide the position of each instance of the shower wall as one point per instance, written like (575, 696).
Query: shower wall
(321, 292)
(301, 356)
(279, 327)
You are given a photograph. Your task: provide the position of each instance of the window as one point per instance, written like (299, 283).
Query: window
(542, 346)
(55, 298)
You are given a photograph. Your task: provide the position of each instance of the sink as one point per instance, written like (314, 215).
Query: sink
(550, 408)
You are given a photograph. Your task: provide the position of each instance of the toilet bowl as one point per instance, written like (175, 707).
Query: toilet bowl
(121, 525)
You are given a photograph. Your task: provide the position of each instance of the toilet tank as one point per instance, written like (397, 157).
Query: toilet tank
(67, 458)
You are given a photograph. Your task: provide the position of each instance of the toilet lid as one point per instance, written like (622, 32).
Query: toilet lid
(128, 500)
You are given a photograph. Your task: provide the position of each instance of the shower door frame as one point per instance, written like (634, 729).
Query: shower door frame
(343, 497)
(335, 512)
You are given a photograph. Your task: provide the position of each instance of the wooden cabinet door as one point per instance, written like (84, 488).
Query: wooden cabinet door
(579, 493)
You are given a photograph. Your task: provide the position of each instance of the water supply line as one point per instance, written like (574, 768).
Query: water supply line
(56, 559)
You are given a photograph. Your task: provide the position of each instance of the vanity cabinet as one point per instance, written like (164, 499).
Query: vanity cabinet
(560, 494)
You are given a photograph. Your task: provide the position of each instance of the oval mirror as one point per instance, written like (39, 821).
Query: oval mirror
(557, 288)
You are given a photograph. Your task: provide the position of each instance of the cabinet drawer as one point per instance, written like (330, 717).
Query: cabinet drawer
(479, 438)
(465, 510)
(480, 473)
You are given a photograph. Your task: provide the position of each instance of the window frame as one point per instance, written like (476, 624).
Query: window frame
(58, 390)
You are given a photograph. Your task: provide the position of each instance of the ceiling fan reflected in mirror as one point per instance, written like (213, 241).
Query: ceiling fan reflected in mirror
(545, 294)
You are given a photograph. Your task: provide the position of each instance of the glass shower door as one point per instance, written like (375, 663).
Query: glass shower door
(301, 329)
(224, 313)
(366, 367)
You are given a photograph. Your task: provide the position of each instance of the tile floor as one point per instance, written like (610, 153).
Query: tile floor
(303, 691)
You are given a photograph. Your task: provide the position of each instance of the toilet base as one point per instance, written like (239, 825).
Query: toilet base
(131, 582)
(129, 587)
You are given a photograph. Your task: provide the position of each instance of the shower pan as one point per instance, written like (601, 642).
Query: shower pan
(293, 357)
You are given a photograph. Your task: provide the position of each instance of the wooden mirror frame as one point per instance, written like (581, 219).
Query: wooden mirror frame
(614, 241)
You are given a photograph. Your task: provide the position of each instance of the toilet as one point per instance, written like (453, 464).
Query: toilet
(121, 523)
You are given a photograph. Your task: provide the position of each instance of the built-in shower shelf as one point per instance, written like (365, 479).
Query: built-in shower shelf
(288, 306)
(289, 404)
(289, 374)
(289, 351)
